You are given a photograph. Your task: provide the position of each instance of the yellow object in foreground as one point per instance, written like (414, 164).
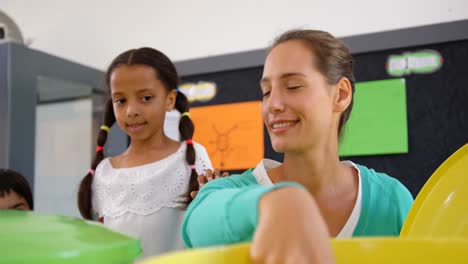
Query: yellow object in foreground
(435, 231)
(346, 251)
(441, 207)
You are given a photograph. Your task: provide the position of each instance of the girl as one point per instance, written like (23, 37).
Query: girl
(289, 209)
(143, 191)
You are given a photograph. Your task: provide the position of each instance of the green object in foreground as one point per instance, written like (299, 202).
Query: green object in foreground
(28, 237)
(378, 122)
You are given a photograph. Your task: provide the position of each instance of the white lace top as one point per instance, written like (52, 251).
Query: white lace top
(146, 201)
(261, 175)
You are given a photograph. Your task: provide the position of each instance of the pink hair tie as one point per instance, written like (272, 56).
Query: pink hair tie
(91, 171)
(99, 148)
(192, 167)
(189, 141)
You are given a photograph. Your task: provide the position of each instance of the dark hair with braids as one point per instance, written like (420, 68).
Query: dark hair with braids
(167, 74)
(11, 180)
(332, 59)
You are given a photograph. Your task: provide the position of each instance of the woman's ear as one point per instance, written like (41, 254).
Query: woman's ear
(170, 100)
(343, 95)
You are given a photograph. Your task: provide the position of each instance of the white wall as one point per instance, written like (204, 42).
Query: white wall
(63, 152)
(93, 32)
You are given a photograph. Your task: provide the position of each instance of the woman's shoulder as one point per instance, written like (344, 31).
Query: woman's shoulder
(385, 203)
(378, 178)
(382, 183)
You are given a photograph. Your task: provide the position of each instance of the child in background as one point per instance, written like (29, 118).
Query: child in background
(144, 191)
(15, 192)
(288, 210)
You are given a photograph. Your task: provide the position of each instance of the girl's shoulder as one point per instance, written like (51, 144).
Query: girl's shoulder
(114, 163)
(198, 147)
(103, 166)
(109, 166)
(202, 159)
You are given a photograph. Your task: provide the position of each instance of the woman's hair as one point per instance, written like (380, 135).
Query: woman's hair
(167, 74)
(11, 180)
(332, 59)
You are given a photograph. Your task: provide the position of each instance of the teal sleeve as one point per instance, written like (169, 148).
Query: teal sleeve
(224, 212)
(404, 201)
(385, 204)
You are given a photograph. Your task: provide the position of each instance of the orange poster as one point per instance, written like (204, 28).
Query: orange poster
(231, 133)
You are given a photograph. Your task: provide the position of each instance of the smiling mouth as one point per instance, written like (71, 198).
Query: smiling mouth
(136, 126)
(283, 126)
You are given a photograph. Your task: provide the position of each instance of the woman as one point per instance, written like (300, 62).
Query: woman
(289, 209)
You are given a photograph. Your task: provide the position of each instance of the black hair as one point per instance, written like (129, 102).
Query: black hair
(11, 180)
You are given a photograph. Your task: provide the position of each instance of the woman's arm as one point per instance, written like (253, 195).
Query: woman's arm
(290, 230)
(282, 221)
(225, 211)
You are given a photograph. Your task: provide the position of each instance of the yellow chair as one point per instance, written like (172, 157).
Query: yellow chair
(441, 207)
(346, 251)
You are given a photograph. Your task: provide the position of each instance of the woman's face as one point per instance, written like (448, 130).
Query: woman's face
(297, 105)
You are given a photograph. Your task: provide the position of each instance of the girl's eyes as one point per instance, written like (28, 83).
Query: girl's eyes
(119, 101)
(147, 98)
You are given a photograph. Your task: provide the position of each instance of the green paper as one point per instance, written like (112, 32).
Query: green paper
(378, 121)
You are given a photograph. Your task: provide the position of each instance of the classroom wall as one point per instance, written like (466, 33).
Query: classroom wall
(93, 32)
(427, 124)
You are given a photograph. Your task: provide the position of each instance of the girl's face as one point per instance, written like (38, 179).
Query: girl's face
(14, 201)
(140, 101)
(297, 100)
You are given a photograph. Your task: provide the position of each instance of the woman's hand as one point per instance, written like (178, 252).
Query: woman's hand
(290, 230)
(207, 176)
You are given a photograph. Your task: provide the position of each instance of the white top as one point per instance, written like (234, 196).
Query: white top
(146, 201)
(260, 174)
